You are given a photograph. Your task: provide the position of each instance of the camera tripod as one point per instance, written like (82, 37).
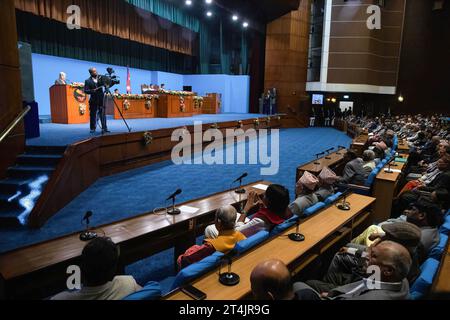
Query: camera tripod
(103, 110)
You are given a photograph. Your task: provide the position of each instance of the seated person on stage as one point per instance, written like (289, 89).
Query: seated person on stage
(327, 179)
(62, 79)
(99, 261)
(306, 198)
(369, 161)
(271, 280)
(347, 265)
(272, 210)
(225, 241)
(354, 172)
(393, 261)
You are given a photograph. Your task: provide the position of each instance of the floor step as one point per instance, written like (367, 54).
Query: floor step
(45, 149)
(14, 184)
(39, 159)
(22, 171)
(10, 218)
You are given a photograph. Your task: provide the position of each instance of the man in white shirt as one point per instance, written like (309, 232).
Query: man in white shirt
(99, 261)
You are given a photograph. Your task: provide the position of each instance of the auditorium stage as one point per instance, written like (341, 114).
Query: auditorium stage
(62, 134)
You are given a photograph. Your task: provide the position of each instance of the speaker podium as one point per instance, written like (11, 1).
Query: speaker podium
(69, 104)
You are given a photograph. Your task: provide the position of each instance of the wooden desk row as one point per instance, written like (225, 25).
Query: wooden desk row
(321, 231)
(39, 270)
(315, 167)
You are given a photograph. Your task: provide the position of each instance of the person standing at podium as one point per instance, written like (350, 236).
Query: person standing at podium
(62, 79)
(93, 87)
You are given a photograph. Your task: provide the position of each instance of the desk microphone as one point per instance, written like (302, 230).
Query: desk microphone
(296, 236)
(317, 162)
(344, 205)
(87, 235)
(174, 211)
(339, 150)
(229, 278)
(328, 153)
(240, 190)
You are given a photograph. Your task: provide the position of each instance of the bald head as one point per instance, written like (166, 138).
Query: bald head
(271, 280)
(392, 258)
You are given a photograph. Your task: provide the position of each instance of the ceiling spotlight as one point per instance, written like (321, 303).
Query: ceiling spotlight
(208, 1)
(400, 98)
(235, 18)
(209, 13)
(245, 24)
(333, 100)
(188, 2)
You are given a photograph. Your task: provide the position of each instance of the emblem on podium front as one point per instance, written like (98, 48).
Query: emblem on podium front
(148, 104)
(182, 105)
(82, 109)
(79, 95)
(126, 105)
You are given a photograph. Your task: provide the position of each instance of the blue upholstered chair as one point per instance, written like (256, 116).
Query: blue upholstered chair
(422, 285)
(332, 198)
(284, 226)
(445, 228)
(250, 242)
(313, 209)
(151, 291)
(438, 249)
(196, 269)
(371, 178)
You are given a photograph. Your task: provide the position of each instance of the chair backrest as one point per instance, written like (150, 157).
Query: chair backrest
(332, 198)
(445, 228)
(438, 249)
(250, 242)
(371, 178)
(284, 226)
(421, 286)
(313, 209)
(151, 291)
(197, 269)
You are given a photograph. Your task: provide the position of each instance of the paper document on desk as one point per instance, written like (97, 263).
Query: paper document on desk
(187, 209)
(392, 170)
(261, 187)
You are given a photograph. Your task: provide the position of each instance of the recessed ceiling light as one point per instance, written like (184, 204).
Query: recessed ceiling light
(188, 2)
(208, 1)
(209, 13)
(245, 24)
(235, 18)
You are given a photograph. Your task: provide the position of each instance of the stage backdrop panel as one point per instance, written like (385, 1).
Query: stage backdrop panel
(235, 90)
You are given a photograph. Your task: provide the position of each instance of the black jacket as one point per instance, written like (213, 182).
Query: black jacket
(96, 95)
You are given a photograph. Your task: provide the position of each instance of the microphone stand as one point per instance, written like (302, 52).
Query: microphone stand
(328, 154)
(88, 235)
(229, 278)
(344, 206)
(240, 190)
(173, 211)
(317, 162)
(296, 236)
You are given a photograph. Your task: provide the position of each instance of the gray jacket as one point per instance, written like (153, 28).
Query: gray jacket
(360, 291)
(354, 172)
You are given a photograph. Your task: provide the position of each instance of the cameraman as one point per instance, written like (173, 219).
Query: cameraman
(94, 88)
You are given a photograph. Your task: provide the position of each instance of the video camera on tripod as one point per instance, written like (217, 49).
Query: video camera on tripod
(110, 79)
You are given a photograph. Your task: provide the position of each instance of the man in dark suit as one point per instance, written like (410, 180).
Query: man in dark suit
(94, 88)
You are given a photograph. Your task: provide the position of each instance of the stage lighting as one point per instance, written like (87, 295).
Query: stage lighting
(209, 14)
(208, 1)
(333, 100)
(400, 98)
(235, 18)
(245, 24)
(188, 2)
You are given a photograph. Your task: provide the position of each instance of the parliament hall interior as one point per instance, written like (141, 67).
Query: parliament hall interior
(236, 150)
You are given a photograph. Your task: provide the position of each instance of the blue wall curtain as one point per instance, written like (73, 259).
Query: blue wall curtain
(225, 59)
(205, 48)
(244, 52)
(168, 11)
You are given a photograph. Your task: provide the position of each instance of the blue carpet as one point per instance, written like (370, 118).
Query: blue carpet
(134, 192)
(53, 134)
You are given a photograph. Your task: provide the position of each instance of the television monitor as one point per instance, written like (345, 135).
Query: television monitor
(317, 99)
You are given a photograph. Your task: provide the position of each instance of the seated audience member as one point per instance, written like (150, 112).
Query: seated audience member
(354, 172)
(99, 261)
(224, 242)
(393, 261)
(306, 186)
(327, 178)
(272, 210)
(369, 161)
(271, 280)
(347, 265)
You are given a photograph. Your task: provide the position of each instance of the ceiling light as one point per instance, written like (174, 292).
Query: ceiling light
(235, 18)
(209, 13)
(208, 1)
(188, 2)
(400, 98)
(245, 24)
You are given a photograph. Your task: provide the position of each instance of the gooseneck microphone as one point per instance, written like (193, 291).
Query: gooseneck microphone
(344, 205)
(317, 162)
(229, 278)
(328, 153)
(297, 236)
(87, 235)
(240, 190)
(174, 211)
(339, 150)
